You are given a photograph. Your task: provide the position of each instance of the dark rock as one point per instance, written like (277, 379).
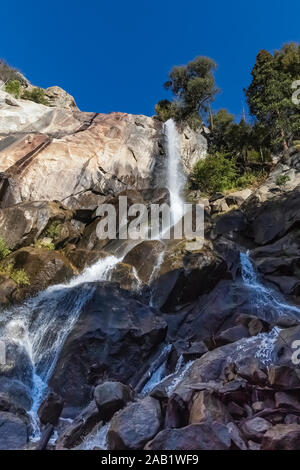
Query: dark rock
(206, 407)
(255, 428)
(284, 377)
(204, 436)
(282, 437)
(115, 335)
(287, 400)
(14, 432)
(144, 257)
(135, 425)
(74, 433)
(251, 370)
(236, 436)
(111, 397)
(50, 409)
(22, 224)
(234, 221)
(231, 335)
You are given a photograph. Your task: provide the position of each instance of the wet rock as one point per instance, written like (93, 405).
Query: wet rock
(184, 276)
(255, 428)
(115, 335)
(126, 277)
(14, 432)
(50, 409)
(282, 437)
(204, 436)
(135, 425)
(111, 397)
(205, 406)
(75, 432)
(144, 257)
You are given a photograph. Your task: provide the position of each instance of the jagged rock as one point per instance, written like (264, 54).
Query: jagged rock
(284, 377)
(115, 334)
(184, 276)
(111, 397)
(236, 436)
(125, 276)
(22, 224)
(74, 433)
(7, 288)
(59, 98)
(282, 437)
(251, 370)
(220, 205)
(14, 432)
(233, 221)
(238, 197)
(255, 428)
(206, 407)
(287, 400)
(204, 436)
(50, 409)
(43, 267)
(135, 425)
(144, 257)
(231, 335)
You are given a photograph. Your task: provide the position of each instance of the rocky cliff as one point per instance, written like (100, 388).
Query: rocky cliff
(191, 348)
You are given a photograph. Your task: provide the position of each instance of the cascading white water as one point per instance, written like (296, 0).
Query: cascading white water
(45, 322)
(265, 301)
(176, 178)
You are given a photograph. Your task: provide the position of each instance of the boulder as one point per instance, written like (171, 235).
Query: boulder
(115, 335)
(135, 425)
(233, 221)
(50, 409)
(111, 397)
(183, 276)
(43, 267)
(57, 97)
(231, 335)
(74, 433)
(145, 257)
(282, 437)
(220, 205)
(22, 224)
(255, 428)
(284, 377)
(14, 432)
(204, 436)
(238, 197)
(287, 400)
(207, 407)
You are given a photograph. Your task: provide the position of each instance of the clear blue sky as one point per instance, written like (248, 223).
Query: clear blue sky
(115, 55)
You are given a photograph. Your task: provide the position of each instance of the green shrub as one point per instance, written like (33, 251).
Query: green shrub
(282, 180)
(44, 243)
(20, 276)
(54, 229)
(4, 250)
(36, 94)
(215, 173)
(14, 88)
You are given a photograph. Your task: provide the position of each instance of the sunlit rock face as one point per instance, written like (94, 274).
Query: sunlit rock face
(53, 153)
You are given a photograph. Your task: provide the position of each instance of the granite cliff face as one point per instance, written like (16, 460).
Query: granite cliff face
(61, 154)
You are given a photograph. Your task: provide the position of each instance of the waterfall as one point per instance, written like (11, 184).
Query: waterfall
(45, 322)
(266, 302)
(176, 178)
